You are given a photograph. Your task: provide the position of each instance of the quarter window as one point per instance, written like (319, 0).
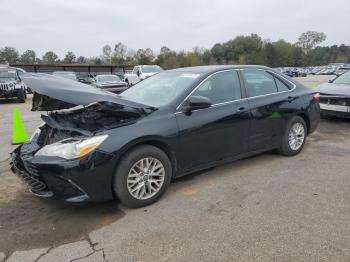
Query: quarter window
(221, 87)
(259, 82)
(281, 86)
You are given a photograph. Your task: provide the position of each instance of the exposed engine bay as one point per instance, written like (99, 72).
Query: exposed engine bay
(83, 122)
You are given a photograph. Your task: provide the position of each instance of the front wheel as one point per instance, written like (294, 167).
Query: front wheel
(142, 176)
(294, 137)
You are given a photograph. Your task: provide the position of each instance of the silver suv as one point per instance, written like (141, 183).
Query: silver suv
(11, 84)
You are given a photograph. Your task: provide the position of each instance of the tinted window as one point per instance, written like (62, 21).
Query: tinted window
(259, 82)
(221, 87)
(281, 86)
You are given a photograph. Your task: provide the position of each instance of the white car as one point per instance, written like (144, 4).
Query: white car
(141, 72)
(111, 83)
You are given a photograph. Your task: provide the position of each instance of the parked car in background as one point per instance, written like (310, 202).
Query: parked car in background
(341, 71)
(11, 85)
(174, 123)
(294, 71)
(66, 74)
(141, 72)
(21, 72)
(335, 96)
(111, 83)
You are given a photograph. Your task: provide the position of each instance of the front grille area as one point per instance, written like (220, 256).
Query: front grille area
(4, 86)
(25, 170)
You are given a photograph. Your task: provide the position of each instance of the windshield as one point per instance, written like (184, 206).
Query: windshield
(344, 79)
(107, 78)
(151, 69)
(8, 74)
(160, 89)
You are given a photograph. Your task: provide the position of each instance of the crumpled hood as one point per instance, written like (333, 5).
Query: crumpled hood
(55, 93)
(334, 89)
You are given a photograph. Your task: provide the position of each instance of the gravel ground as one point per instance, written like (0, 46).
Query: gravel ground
(265, 208)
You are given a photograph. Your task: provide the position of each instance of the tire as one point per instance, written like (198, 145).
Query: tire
(288, 149)
(130, 163)
(21, 97)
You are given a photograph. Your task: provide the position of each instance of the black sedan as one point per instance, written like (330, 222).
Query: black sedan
(335, 97)
(180, 121)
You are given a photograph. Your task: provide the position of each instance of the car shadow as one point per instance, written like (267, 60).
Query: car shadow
(29, 222)
(8, 101)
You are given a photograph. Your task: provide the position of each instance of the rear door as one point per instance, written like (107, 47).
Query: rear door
(220, 131)
(271, 105)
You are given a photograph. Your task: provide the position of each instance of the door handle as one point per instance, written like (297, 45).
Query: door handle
(241, 108)
(291, 98)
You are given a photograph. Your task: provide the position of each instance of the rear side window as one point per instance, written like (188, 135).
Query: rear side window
(221, 87)
(281, 86)
(259, 82)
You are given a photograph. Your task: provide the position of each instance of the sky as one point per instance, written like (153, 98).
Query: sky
(85, 26)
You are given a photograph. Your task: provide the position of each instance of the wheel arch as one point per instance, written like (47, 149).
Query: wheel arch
(152, 141)
(307, 121)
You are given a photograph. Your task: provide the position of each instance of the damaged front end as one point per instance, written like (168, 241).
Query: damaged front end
(60, 173)
(63, 158)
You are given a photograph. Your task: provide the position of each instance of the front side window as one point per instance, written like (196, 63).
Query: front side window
(259, 82)
(221, 87)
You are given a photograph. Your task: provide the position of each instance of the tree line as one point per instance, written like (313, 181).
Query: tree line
(251, 49)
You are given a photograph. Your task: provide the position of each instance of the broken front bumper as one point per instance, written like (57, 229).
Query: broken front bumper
(88, 179)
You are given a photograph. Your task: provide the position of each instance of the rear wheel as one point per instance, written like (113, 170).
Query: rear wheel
(294, 137)
(142, 176)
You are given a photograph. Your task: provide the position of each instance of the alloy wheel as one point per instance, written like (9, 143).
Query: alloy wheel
(296, 136)
(145, 178)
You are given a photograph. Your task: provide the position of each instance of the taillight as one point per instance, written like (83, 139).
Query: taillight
(317, 97)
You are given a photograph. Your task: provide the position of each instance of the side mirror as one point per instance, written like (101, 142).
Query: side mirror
(196, 102)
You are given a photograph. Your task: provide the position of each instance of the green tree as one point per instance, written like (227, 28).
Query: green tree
(107, 53)
(69, 58)
(145, 56)
(119, 53)
(50, 58)
(308, 40)
(28, 57)
(82, 60)
(9, 54)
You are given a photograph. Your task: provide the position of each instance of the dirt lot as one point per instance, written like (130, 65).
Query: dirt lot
(267, 208)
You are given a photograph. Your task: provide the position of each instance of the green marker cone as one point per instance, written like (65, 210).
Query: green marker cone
(19, 131)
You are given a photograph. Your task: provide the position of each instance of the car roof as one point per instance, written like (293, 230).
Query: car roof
(215, 68)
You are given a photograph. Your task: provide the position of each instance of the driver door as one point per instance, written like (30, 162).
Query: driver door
(218, 132)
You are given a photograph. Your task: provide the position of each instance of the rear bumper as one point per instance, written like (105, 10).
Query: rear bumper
(335, 111)
(85, 180)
